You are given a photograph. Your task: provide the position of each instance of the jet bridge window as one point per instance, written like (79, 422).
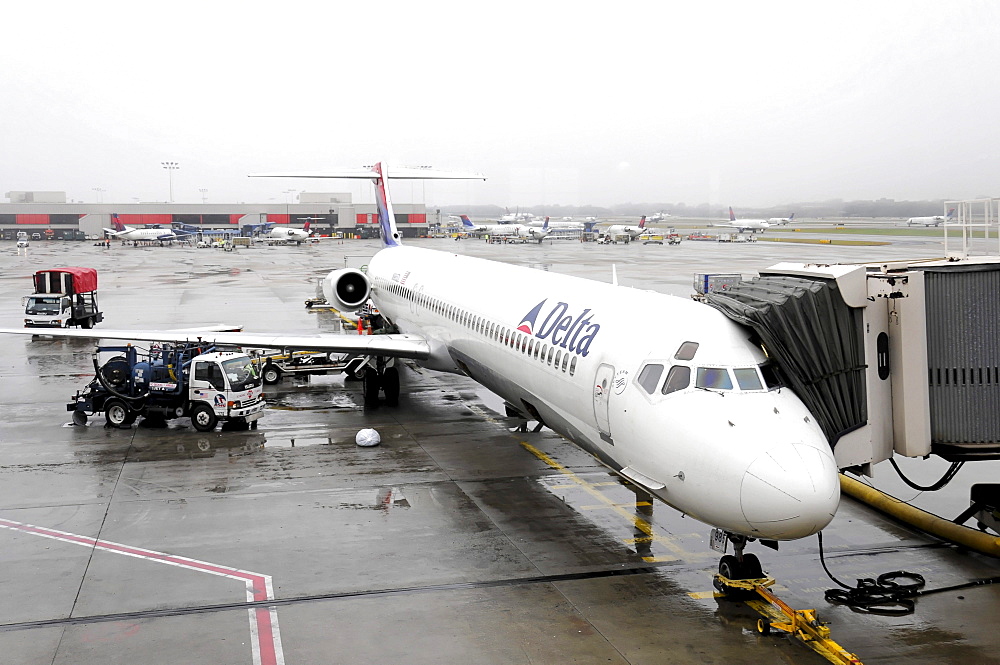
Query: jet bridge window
(714, 378)
(747, 378)
(678, 378)
(649, 377)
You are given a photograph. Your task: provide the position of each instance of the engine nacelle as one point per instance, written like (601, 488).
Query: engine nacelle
(346, 289)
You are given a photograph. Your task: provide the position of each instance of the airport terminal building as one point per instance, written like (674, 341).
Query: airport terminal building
(49, 215)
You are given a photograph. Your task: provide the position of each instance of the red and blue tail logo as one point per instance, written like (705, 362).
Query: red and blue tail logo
(117, 223)
(466, 221)
(305, 227)
(732, 215)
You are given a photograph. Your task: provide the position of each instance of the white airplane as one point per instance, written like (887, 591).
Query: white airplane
(931, 221)
(633, 231)
(122, 232)
(658, 217)
(516, 217)
(686, 412)
(289, 233)
(751, 225)
(524, 231)
(564, 223)
(781, 221)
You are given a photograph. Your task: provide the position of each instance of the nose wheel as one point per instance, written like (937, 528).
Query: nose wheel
(738, 566)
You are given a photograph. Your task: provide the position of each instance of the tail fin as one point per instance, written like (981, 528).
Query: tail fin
(951, 213)
(732, 215)
(791, 217)
(545, 224)
(305, 227)
(116, 223)
(466, 222)
(642, 222)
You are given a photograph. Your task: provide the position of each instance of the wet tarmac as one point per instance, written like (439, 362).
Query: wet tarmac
(458, 539)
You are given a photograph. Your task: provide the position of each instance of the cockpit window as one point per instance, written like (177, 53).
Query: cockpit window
(686, 351)
(678, 378)
(715, 378)
(649, 377)
(747, 378)
(771, 376)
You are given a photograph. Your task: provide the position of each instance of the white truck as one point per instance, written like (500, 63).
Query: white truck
(63, 297)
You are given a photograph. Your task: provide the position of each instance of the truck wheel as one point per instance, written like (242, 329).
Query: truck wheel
(79, 418)
(390, 384)
(203, 418)
(87, 323)
(117, 413)
(271, 375)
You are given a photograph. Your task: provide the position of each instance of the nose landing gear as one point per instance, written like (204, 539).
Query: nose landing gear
(738, 566)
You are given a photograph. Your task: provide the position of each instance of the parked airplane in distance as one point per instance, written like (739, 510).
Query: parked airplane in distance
(515, 217)
(524, 231)
(658, 217)
(631, 230)
(690, 412)
(931, 221)
(148, 234)
(751, 225)
(288, 233)
(781, 221)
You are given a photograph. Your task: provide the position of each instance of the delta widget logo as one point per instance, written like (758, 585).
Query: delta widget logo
(560, 327)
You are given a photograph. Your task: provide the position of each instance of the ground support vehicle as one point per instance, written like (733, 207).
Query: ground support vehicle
(63, 297)
(172, 381)
(275, 365)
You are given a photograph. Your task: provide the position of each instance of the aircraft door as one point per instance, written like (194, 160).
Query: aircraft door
(602, 397)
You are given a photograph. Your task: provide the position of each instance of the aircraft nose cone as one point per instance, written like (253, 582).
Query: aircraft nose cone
(791, 491)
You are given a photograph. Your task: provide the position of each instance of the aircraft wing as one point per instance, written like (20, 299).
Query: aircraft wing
(396, 346)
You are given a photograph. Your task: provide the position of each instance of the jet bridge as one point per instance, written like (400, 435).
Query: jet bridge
(894, 358)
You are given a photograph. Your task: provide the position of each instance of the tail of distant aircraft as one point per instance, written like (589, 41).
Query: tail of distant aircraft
(642, 222)
(951, 213)
(305, 227)
(117, 223)
(466, 222)
(732, 215)
(545, 224)
(791, 217)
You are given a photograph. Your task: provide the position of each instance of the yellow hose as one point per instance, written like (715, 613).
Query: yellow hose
(974, 539)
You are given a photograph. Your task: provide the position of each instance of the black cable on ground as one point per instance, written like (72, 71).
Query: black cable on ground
(883, 595)
(945, 479)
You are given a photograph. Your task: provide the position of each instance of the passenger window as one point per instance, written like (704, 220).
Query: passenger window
(747, 378)
(716, 378)
(678, 378)
(649, 377)
(686, 351)
(572, 366)
(558, 355)
(565, 360)
(537, 349)
(551, 350)
(531, 345)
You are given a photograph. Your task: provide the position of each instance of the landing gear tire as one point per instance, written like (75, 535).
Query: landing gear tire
(79, 418)
(729, 567)
(271, 375)
(203, 418)
(118, 414)
(390, 385)
(751, 569)
(370, 384)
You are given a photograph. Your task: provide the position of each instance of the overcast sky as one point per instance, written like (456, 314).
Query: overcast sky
(744, 103)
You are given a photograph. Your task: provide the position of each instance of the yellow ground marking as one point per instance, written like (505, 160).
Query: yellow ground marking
(636, 521)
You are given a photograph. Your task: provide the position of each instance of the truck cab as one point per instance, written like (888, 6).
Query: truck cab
(224, 385)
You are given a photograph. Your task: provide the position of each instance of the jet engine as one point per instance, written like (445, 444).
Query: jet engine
(346, 289)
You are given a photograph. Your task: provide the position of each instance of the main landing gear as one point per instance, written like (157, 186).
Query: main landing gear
(381, 377)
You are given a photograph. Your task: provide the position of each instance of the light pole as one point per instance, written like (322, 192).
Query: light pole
(99, 190)
(171, 167)
(204, 194)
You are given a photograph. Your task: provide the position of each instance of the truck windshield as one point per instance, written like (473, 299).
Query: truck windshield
(242, 373)
(42, 306)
